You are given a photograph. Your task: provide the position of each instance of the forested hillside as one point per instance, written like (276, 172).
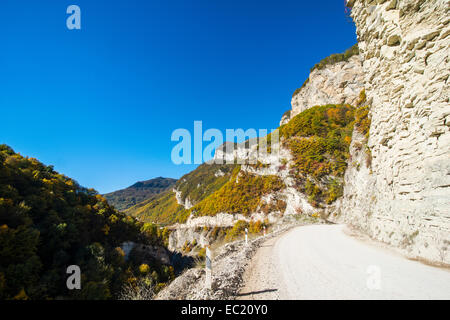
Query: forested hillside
(48, 222)
(192, 188)
(138, 192)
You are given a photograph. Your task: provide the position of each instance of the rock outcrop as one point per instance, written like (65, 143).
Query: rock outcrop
(186, 203)
(338, 83)
(155, 252)
(403, 198)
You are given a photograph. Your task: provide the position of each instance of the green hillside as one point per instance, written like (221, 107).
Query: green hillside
(196, 185)
(319, 140)
(163, 209)
(241, 194)
(203, 181)
(138, 192)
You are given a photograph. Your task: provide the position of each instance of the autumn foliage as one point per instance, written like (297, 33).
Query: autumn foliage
(48, 222)
(319, 140)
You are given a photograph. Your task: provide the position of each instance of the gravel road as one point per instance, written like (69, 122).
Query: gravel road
(324, 262)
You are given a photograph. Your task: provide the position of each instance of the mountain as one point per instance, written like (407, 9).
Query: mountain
(138, 192)
(49, 222)
(306, 177)
(173, 205)
(366, 142)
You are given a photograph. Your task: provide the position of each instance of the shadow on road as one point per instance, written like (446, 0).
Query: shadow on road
(255, 292)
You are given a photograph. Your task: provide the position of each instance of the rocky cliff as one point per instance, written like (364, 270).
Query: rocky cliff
(403, 196)
(338, 83)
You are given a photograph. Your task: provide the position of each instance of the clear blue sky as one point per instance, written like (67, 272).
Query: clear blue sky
(100, 103)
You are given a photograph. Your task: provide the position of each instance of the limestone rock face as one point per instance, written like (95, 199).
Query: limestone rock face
(186, 203)
(404, 198)
(337, 83)
(193, 229)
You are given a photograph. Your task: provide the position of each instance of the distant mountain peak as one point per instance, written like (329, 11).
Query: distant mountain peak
(138, 192)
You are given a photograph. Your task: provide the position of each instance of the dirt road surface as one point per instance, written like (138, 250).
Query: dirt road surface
(325, 262)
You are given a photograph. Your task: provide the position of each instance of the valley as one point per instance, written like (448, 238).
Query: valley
(349, 198)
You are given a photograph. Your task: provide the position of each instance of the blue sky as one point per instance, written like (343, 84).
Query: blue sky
(100, 103)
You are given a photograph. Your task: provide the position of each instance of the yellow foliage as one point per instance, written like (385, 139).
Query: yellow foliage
(144, 268)
(132, 280)
(362, 120)
(21, 295)
(100, 198)
(202, 253)
(255, 227)
(113, 218)
(348, 139)
(70, 183)
(362, 97)
(242, 194)
(120, 251)
(106, 229)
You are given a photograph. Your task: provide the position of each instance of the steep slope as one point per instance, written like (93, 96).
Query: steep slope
(138, 192)
(48, 222)
(200, 183)
(310, 166)
(173, 205)
(305, 177)
(163, 209)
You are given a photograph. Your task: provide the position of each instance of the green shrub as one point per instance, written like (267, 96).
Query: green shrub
(278, 205)
(362, 98)
(334, 191)
(287, 114)
(202, 253)
(238, 230)
(362, 120)
(337, 57)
